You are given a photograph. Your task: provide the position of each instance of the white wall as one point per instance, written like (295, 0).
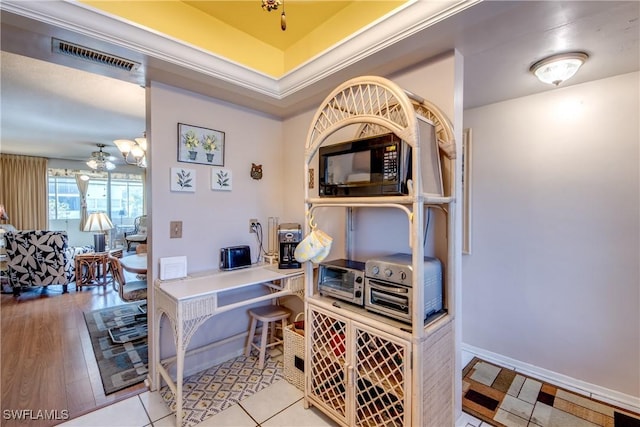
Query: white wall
(211, 219)
(553, 277)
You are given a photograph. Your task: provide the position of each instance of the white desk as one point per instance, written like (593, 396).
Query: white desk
(189, 302)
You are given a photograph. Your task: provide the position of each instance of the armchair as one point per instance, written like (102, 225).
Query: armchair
(36, 258)
(139, 233)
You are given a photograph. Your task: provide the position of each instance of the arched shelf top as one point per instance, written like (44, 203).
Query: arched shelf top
(426, 109)
(366, 99)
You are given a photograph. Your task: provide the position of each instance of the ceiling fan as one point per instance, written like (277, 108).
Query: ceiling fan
(101, 160)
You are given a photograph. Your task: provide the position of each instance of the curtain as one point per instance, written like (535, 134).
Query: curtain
(23, 191)
(83, 186)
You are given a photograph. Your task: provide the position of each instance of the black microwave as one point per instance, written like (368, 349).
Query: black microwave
(373, 166)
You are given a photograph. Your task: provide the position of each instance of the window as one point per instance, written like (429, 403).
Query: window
(120, 195)
(127, 198)
(64, 198)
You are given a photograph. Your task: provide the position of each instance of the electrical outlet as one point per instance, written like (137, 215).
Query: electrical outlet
(253, 225)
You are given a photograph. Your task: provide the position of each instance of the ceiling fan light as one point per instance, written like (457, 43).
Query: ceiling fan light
(99, 160)
(558, 68)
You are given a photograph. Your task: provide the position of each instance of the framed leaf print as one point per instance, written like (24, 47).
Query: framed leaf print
(200, 145)
(183, 180)
(221, 179)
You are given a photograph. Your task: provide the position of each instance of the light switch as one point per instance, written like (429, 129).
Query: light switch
(175, 231)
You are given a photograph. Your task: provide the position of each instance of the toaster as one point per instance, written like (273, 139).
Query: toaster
(235, 257)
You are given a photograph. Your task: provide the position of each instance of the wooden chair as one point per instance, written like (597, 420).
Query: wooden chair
(268, 315)
(128, 291)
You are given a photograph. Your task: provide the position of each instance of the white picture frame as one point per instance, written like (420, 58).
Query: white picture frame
(221, 179)
(183, 180)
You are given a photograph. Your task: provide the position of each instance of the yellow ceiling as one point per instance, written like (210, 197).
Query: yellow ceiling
(241, 31)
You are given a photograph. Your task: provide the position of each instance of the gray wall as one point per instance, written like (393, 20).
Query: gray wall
(553, 277)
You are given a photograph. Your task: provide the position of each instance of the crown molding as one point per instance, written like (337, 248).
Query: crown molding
(76, 17)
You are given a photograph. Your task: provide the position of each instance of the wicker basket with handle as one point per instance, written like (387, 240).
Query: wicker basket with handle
(294, 352)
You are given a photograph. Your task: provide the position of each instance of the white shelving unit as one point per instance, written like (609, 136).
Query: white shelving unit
(363, 369)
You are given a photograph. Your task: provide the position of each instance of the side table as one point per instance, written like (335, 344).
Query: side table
(91, 269)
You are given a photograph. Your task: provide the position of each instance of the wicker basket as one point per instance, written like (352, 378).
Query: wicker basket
(294, 353)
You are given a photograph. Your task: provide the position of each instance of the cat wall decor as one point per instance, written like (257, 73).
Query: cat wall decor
(256, 171)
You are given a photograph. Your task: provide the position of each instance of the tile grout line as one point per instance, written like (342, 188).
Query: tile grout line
(144, 408)
(247, 412)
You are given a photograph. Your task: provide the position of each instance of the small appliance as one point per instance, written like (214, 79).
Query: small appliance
(289, 235)
(234, 257)
(388, 286)
(378, 166)
(342, 279)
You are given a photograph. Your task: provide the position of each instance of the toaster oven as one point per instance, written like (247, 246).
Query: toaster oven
(234, 257)
(389, 290)
(342, 279)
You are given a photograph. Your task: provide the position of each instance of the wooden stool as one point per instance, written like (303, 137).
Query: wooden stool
(268, 315)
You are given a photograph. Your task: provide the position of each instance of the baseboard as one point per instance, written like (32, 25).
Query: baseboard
(621, 400)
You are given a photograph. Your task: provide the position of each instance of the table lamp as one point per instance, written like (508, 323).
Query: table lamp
(98, 221)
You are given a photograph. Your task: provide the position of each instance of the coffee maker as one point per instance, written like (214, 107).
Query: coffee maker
(289, 235)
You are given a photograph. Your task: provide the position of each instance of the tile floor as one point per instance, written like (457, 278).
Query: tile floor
(280, 404)
(277, 405)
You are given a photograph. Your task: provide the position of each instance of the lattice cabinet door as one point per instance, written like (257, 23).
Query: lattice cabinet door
(382, 379)
(358, 374)
(327, 382)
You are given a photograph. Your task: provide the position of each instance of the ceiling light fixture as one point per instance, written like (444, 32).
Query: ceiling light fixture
(133, 152)
(270, 5)
(100, 160)
(556, 69)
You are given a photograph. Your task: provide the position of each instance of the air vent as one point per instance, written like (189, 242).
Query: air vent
(91, 55)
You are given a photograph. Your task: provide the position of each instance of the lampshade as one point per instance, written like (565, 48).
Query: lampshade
(98, 221)
(558, 68)
(133, 152)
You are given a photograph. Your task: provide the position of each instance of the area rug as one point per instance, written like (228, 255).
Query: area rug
(216, 389)
(504, 397)
(121, 364)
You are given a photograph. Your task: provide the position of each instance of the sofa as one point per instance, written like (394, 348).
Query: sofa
(40, 258)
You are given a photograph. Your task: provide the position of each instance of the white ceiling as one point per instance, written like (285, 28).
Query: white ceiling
(61, 108)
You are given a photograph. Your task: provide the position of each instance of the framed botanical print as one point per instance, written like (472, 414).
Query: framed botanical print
(200, 145)
(183, 180)
(221, 179)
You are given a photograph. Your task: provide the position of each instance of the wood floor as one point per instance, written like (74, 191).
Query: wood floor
(46, 360)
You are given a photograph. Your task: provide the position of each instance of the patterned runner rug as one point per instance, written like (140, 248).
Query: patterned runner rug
(214, 390)
(121, 364)
(503, 397)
